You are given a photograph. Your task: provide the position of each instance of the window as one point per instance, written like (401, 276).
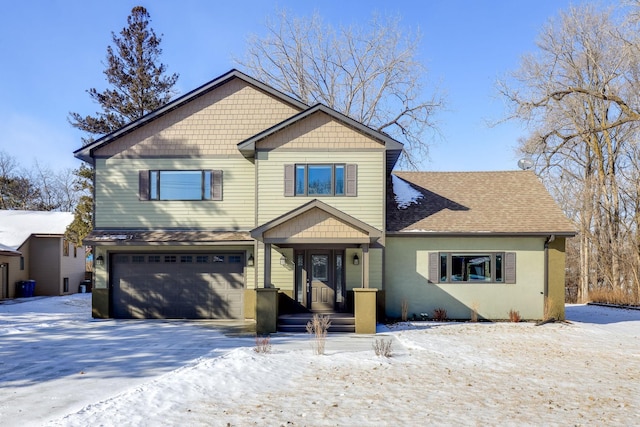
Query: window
(320, 180)
(75, 251)
(202, 259)
(137, 259)
(65, 247)
(65, 284)
(154, 259)
(186, 259)
(170, 259)
(21, 263)
(461, 267)
(180, 185)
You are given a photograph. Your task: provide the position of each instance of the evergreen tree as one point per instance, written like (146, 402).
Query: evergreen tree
(81, 225)
(138, 85)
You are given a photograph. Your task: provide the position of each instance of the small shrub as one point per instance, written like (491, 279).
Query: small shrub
(474, 312)
(319, 326)
(263, 344)
(382, 347)
(404, 310)
(440, 314)
(514, 316)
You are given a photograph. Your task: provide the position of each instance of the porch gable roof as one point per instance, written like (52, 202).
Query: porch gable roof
(316, 223)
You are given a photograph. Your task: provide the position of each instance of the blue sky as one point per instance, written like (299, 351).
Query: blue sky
(54, 50)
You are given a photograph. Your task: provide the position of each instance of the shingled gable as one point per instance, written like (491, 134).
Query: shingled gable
(86, 153)
(477, 203)
(393, 147)
(368, 233)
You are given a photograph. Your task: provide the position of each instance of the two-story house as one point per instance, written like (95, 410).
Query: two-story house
(236, 187)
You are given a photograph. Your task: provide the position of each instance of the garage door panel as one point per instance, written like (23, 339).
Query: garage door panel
(174, 286)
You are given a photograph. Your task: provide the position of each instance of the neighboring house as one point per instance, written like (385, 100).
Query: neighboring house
(236, 187)
(32, 247)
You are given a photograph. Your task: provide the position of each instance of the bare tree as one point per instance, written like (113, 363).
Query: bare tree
(369, 74)
(38, 188)
(578, 94)
(56, 188)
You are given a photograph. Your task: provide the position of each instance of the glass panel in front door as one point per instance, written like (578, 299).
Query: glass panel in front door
(320, 267)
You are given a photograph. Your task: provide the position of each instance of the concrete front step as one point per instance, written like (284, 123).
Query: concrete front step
(297, 323)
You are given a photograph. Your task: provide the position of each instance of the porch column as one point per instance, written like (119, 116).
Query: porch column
(267, 299)
(365, 266)
(267, 265)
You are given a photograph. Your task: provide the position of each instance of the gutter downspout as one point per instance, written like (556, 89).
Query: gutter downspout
(549, 239)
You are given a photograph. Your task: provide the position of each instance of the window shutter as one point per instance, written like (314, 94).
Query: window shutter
(351, 179)
(216, 185)
(289, 180)
(510, 267)
(143, 185)
(434, 276)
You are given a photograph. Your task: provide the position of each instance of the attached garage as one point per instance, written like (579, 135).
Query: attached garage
(178, 285)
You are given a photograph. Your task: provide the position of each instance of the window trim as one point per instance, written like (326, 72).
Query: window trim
(349, 179)
(149, 185)
(508, 267)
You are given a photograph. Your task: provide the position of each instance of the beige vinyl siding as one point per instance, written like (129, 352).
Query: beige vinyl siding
(282, 277)
(353, 273)
(407, 278)
(375, 268)
(118, 206)
(367, 206)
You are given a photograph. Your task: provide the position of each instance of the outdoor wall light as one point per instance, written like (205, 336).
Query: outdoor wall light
(356, 260)
(100, 260)
(283, 260)
(250, 261)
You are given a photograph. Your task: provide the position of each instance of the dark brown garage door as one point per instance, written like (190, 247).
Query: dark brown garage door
(178, 285)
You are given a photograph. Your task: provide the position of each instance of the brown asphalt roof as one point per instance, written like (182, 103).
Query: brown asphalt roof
(513, 202)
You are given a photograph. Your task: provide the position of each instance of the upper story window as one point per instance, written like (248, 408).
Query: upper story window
(320, 180)
(180, 185)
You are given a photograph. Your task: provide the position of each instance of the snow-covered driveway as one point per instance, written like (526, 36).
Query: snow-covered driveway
(58, 367)
(55, 359)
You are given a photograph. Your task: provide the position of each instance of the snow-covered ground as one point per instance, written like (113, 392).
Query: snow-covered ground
(58, 367)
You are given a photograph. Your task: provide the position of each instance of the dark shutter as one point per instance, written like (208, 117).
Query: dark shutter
(351, 179)
(289, 180)
(143, 185)
(510, 267)
(216, 185)
(434, 274)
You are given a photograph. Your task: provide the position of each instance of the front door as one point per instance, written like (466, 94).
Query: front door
(322, 288)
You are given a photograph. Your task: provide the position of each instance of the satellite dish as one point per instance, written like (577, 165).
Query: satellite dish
(525, 164)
